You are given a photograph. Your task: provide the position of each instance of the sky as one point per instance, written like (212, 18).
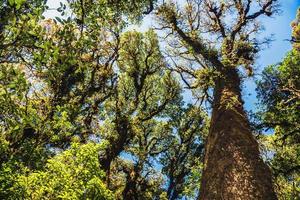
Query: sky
(278, 26)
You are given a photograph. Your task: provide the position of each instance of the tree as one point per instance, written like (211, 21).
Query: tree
(278, 91)
(89, 110)
(144, 90)
(233, 168)
(182, 161)
(71, 83)
(167, 144)
(55, 76)
(70, 175)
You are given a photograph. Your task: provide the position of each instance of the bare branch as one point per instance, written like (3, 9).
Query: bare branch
(217, 14)
(244, 17)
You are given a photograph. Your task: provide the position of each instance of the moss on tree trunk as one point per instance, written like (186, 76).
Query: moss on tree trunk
(233, 167)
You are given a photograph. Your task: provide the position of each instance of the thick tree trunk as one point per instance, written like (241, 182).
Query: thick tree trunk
(233, 168)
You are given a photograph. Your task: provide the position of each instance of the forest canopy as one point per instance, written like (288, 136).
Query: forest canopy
(93, 108)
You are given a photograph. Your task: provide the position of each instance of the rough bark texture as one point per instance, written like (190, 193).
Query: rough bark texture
(233, 167)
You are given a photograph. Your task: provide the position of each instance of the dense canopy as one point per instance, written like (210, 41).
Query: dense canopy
(91, 108)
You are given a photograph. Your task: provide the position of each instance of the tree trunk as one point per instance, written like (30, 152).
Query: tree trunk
(233, 168)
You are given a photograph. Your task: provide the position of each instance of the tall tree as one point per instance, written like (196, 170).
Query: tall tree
(220, 37)
(144, 90)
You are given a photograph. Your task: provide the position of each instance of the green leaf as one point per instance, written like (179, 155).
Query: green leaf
(11, 2)
(59, 20)
(16, 3)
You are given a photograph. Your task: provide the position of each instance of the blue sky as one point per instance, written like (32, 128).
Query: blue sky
(278, 25)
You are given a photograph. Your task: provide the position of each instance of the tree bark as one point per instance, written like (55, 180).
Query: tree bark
(233, 168)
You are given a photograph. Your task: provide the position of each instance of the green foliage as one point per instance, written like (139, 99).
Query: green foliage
(182, 162)
(296, 31)
(111, 11)
(69, 84)
(279, 92)
(73, 174)
(90, 111)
